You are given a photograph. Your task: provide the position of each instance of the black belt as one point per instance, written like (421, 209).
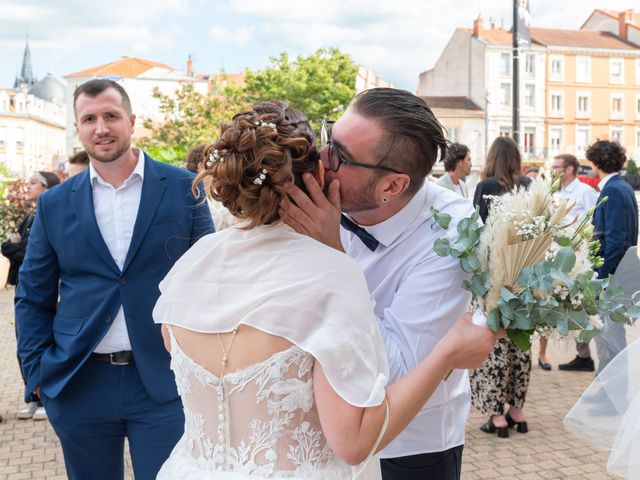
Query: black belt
(116, 358)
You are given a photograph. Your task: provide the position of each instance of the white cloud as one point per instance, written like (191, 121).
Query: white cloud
(238, 36)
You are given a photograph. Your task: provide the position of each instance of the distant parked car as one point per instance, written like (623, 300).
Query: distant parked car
(585, 175)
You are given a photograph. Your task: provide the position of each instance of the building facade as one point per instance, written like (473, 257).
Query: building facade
(576, 86)
(32, 122)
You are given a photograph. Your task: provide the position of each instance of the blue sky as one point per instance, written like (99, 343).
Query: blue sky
(396, 39)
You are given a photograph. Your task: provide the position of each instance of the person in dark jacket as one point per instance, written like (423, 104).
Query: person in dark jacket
(615, 225)
(14, 249)
(501, 173)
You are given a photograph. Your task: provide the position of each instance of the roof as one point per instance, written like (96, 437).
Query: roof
(49, 89)
(452, 103)
(581, 38)
(129, 67)
(560, 38)
(614, 14)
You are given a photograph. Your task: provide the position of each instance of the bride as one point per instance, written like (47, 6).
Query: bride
(274, 344)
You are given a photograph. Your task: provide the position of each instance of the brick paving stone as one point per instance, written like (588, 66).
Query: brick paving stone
(30, 449)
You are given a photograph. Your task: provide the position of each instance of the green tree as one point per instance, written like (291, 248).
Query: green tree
(321, 84)
(190, 119)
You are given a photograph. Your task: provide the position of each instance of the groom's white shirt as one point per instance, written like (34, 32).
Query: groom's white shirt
(418, 296)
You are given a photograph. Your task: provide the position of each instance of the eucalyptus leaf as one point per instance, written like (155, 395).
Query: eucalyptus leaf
(462, 245)
(493, 320)
(565, 259)
(619, 317)
(463, 226)
(563, 241)
(507, 295)
(442, 219)
(442, 247)
(522, 321)
(521, 338)
(470, 263)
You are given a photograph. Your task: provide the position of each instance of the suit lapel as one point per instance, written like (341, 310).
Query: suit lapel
(153, 187)
(82, 201)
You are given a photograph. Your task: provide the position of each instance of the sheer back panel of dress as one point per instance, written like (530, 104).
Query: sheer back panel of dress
(260, 421)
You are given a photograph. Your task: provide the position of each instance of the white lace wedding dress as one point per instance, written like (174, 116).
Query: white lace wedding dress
(261, 422)
(258, 422)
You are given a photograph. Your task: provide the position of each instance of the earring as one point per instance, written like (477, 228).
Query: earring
(385, 199)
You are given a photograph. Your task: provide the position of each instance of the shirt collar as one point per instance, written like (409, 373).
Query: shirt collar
(138, 171)
(387, 231)
(606, 179)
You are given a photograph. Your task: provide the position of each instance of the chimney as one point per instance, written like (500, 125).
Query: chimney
(477, 26)
(190, 67)
(624, 19)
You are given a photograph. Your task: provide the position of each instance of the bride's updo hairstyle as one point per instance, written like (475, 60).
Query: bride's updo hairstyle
(257, 155)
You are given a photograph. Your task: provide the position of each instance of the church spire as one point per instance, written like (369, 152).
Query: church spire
(26, 72)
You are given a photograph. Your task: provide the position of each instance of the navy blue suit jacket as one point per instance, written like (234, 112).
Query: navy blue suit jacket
(615, 223)
(71, 288)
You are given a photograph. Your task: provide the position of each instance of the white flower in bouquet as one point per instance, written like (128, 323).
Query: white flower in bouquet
(532, 269)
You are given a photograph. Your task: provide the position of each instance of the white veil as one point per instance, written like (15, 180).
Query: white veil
(607, 415)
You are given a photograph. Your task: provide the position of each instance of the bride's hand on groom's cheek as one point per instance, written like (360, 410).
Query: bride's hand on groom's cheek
(315, 215)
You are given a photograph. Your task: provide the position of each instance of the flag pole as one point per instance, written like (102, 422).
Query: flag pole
(516, 76)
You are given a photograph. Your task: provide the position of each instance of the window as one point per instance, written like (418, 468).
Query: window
(530, 96)
(583, 134)
(556, 67)
(505, 64)
(616, 70)
(583, 104)
(555, 139)
(556, 106)
(583, 69)
(638, 106)
(452, 134)
(529, 140)
(505, 131)
(530, 64)
(637, 71)
(638, 137)
(505, 94)
(617, 106)
(3, 138)
(616, 134)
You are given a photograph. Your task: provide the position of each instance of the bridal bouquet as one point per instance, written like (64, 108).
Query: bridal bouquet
(532, 269)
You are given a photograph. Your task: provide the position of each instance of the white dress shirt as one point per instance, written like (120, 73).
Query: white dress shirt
(447, 182)
(418, 295)
(116, 210)
(604, 181)
(584, 195)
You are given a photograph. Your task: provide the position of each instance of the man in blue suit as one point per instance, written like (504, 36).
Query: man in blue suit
(100, 244)
(616, 226)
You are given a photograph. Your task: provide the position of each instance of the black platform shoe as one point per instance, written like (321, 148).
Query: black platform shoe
(490, 427)
(521, 427)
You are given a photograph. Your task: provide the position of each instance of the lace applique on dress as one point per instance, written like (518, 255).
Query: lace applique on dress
(265, 426)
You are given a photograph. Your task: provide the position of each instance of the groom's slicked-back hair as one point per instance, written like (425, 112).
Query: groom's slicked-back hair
(413, 138)
(95, 87)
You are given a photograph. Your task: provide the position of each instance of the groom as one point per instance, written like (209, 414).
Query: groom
(100, 244)
(376, 159)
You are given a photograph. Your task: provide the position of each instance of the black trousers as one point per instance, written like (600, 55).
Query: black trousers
(445, 465)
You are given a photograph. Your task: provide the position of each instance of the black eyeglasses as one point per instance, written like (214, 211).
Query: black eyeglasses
(336, 159)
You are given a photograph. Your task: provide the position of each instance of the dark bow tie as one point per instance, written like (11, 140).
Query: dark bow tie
(368, 239)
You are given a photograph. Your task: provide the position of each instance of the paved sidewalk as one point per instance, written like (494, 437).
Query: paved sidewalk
(29, 449)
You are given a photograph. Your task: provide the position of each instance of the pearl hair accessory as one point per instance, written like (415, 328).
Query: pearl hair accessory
(260, 178)
(267, 124)
(216, 156)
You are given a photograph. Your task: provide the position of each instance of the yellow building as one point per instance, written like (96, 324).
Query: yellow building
(592, 85)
